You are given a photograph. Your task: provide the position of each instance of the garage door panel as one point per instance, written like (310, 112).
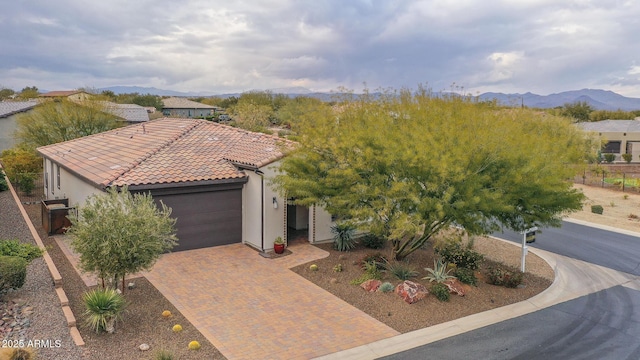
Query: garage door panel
(206, 219)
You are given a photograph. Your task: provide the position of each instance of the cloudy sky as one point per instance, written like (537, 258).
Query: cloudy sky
(542, 46)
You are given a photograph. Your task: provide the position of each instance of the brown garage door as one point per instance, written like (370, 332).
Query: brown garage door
(206, 219)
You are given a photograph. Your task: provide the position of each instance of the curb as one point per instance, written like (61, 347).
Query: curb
(53, 270)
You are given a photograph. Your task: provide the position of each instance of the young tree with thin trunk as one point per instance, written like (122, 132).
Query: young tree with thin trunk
(119, 233)
(408, 165)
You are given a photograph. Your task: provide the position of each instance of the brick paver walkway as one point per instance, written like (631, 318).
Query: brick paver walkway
(250, 307)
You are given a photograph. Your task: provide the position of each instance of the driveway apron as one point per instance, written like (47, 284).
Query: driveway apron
(250, 307)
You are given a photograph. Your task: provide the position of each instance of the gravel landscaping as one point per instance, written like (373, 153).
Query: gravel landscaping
(38, 312)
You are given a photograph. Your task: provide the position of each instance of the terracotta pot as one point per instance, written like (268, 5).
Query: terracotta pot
(278, 248)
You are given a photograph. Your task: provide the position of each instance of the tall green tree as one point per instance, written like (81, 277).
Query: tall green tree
(119, 233)
(57, 121)
(29, 92)
(407, 165)
(299, 107)
(579, 110)
(6, 93)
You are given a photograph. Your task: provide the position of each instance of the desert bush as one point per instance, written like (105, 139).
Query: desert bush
(633, 217)
(373, 241)
(439, 273)
(386, 287)
(103, 308)
(371, 271)
(463, 256)
(13, 272)
(503, 276)
(597, 209)
(3, 182)
(163, 355)
(440, 291)
(466, 276)
(609, 158)
(17, 248)
(627, 157)
(401, 270)
(18, 353)
(376, 258)
(343, 239)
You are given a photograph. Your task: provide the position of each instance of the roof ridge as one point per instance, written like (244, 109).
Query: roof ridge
(149, 154)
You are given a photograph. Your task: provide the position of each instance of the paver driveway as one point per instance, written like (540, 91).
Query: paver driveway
(250, 307)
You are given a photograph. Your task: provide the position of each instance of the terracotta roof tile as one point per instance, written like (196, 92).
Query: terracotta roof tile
(166, 151)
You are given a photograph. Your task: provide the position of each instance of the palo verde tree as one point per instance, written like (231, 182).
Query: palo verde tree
(57, 121)
(406, 165)
(119, 233)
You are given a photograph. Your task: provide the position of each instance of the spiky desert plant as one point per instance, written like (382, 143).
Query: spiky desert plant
(439, 272)
(103, 308)
(386, 287)
(343, 236)
(400, 270)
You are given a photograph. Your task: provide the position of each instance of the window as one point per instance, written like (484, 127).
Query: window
(612, 147)
(52, 183)
(58, 175)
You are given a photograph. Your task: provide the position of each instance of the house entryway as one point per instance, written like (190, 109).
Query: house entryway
(297, 224)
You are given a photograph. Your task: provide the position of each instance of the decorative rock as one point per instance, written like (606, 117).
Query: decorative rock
(131, 285)
(455, 286)
(144, 347)
(333, 280)
(411, 292)
(371, 285)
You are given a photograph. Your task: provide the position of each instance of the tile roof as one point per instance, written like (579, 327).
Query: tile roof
(8, 108)
(611, 126)
(166, 151)
(60, 93)
(182, 103)
(129, 112)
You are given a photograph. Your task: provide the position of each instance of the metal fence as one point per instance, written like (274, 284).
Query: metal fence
(29, 187)
(610, 178)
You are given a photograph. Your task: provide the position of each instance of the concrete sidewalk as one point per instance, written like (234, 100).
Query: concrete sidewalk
(574, 278)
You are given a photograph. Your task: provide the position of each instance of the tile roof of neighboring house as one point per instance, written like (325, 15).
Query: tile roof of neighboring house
(182, 103)
(60, 93)
(8, 108)
(129, 112)
(166, 151)
(611, 126)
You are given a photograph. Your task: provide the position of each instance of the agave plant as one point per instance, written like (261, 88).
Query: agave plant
(439, 273)
(343, 236)
(103, 308)
(400, 270)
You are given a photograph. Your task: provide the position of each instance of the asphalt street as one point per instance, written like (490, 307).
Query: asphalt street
(601, 325)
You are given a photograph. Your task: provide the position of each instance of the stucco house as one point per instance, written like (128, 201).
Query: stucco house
(213, 176)
(620, 136)
(181, 107)
(73, 95)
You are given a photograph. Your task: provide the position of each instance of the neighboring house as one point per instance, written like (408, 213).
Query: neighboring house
(8, 120)
(185, 108)
(621, 136)
(130, 113)
(74, 95)
(214, 177)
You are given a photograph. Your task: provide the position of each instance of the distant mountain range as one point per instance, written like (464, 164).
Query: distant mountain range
(598, 99)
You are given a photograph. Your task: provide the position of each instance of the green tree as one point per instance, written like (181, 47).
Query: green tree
(119, 233)
(53, 122)
(28, 93)
(579, 110)
(21, 166)
(299, 107)
(6, 93)
(148, 100)
(251, 116)
(599, 115)
(405, 166)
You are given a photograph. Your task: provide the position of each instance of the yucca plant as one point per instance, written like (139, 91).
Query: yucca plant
(439, 273)
(400, 270)
(103, 308)
(343, 236)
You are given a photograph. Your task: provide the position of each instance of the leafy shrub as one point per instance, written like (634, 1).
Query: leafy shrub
(400, 270)
(386, 287)
(463, 256)
(164, 355)
(371, 271)
(3, 182)
(502, 276)
(17, 248)
(18, 353)
(373, 241)
(439, 273)
(26, 182)
(13, 272)
(627, 157)
(343, 236)
(609, 158)
(597, 209)
(103, 308)
(466, 276)
(440, 291)
(376, 258)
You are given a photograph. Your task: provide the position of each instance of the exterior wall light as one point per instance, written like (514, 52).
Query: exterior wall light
(275, 203)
